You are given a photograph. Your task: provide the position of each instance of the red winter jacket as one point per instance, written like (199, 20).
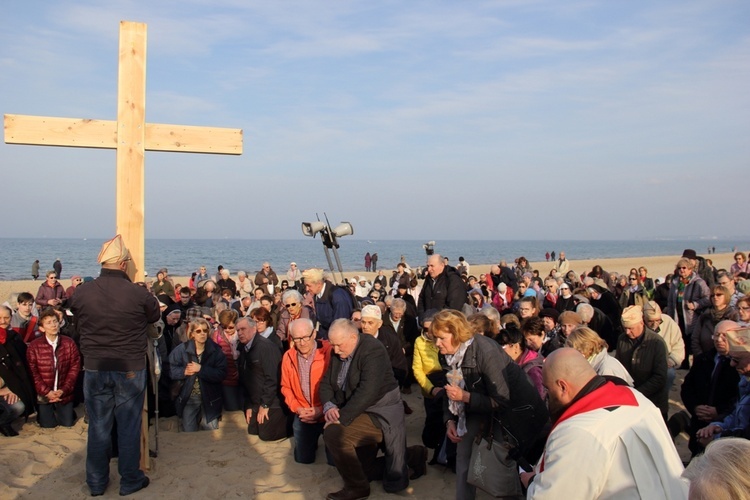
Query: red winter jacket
(42, 366)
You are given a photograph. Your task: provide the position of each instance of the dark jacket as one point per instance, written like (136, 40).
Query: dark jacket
(47, 293)
(392, 344)
(260, 372)
(366, 382)
(707, 384)
(645, 358)
(447, 291)
(499, 387)
(272, 280)
(335, 303)
(602, 325)
(212, 373)
(371, 389)
(14, 370)
(41, 360)
(407, 332)
(112, 315)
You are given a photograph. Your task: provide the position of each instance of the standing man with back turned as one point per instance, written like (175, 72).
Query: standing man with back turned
(112, 315)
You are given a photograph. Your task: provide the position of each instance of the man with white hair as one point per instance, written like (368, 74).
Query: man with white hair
(362, 408)
(613, 428)
(599, 322)
(331, 302)
(644, 355)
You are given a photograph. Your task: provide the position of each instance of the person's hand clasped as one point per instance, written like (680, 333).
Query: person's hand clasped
(331, 417)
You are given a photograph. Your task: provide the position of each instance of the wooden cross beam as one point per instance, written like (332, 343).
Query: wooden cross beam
(130, 135)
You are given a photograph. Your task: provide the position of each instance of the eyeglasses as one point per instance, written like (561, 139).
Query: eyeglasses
(633, 279)
(51, 277)
(200, 330)
(299, 340)
(290, 305)
(745, 308)
(717, 295)
(683, 267)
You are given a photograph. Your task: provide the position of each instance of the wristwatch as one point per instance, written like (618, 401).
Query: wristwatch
(264, 406)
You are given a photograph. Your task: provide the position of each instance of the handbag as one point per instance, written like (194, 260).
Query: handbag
(491, 469)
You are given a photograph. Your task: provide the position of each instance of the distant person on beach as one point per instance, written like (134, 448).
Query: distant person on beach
(294, 277)
(266, 278)
(563, 264)
(552, 255)
(51, 293)
(201, 276)
(244, 285)
(443, 287)
(16, 386)
(331, 302)
(55, 363)
(374, 260)
(368, 262)
(227, 283)
(112, 315)
(303, 367)
(57, 266)
(35, 270)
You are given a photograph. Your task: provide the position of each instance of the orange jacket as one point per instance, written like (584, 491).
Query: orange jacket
(290, 385)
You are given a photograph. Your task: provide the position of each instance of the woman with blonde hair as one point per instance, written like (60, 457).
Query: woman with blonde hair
(594, 348)
(484, 388)
(201, 367)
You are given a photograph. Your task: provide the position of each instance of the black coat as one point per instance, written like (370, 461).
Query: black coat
(499, 387)
(392, 344)
(260, 371)
(112, 315)
(367, 380)
(645, 358)
(704, 387)
(213, 371)
(15, 372)
(447, 291)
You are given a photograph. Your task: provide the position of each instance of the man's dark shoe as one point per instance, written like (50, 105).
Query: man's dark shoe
(8, 430)
(144, 484)
(419, 467)
(349, 494)
(98, 493)
(677, 423)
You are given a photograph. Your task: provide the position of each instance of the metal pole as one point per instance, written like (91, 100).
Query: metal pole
(338, 263)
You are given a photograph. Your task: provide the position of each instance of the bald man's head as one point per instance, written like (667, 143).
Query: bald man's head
(565, 373)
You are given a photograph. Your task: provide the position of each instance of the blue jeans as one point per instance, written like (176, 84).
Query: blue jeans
(194, 418)
(111, 396)
(8, 413)
(306, 440)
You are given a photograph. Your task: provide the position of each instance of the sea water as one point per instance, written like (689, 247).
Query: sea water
(182, 257)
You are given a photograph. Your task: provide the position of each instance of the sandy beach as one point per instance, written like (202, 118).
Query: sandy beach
(48, 463)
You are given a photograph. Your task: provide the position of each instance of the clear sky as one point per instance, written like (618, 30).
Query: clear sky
(413, 120)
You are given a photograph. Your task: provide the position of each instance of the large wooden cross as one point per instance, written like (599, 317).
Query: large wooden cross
(130, 135)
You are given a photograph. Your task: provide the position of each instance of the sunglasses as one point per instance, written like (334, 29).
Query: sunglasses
(200, 330)
(291, 304)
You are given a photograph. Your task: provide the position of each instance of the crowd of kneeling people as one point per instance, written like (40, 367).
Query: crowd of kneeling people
(300, 357)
